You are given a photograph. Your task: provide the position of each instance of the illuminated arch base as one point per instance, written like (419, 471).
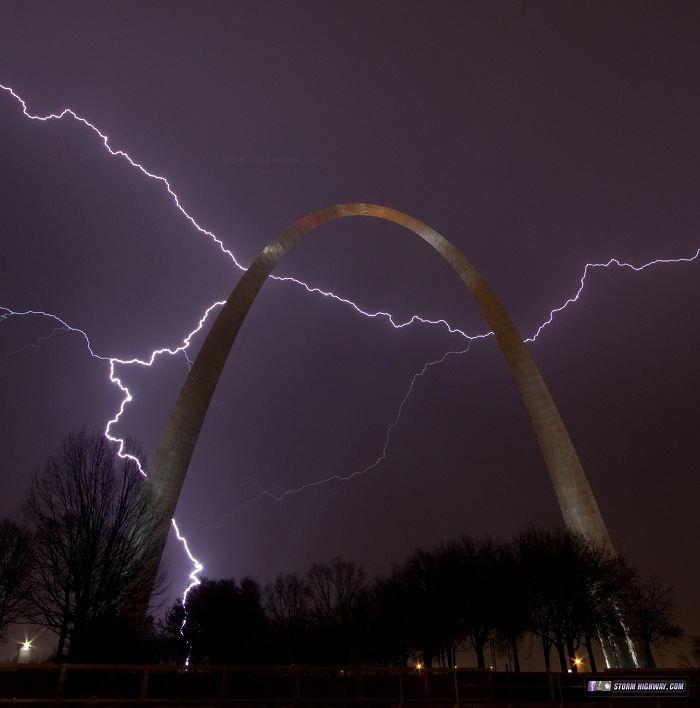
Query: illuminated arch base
(169, 467)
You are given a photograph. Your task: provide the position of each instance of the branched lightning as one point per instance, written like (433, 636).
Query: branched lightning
(611, 262)
(31, 345)
(120, 153)
(283, 493)
(379, 314)
(113, 363)
(357, 473)
(6, 313)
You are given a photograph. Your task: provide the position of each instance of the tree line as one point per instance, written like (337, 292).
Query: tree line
(474, 594)
(72, 564)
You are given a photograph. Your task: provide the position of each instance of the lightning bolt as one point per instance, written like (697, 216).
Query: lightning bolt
(120, 153)
(357, 473)
(282, 493)
(114, 363)
(194, 581)
(612, 262)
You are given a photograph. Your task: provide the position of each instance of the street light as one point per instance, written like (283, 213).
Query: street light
(25, 652)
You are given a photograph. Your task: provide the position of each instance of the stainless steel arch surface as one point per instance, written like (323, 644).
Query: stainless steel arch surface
(169, 467)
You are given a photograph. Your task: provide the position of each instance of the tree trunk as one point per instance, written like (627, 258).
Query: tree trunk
(649, 656)
(516, 658)
(588, 643)
(479, 651)
(573, 666)
(451, 654)
(61, 643)
(546, 646)
(562, 656)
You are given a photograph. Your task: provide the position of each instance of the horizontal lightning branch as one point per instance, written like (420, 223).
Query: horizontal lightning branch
(611, 262)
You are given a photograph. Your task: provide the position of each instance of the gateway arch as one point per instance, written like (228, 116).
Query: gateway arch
(167, 471)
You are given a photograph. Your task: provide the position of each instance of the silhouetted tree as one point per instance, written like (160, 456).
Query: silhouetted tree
(167, 643)
(695, 650)
(649, 611)
(288, 602)
(604, 579)
(549, 562)
(161, 641)
(338, 609)
(390, 613)
(225, 622)
(480, 569)
(574, 588)
(89, 537)
(15, 570)
(435, 620)
(511, 603)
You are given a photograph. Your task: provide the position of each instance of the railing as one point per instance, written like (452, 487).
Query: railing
(71, 684)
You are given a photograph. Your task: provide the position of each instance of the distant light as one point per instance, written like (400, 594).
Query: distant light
(25, 652)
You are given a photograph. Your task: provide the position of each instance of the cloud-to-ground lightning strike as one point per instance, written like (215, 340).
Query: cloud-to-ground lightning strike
(194, 581)
(198, 566)
(61, 325)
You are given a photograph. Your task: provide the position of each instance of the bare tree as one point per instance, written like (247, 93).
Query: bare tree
(90, 538)
(511, 611)
(288, 600)
(335, 587)
(15, 569)
(225, 622)
(337, 590)
(649, 612)
(604, 579)
(695, 651)
(391, 621)
(574, 588)
(480, 568)
(288, 604)
(434, 602)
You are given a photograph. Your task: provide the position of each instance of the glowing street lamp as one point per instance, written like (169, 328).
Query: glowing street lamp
(576, 662)
(25, 652)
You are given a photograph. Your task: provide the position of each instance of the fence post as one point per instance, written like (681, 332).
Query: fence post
(61, 682)
(222, 683)
(144, 683)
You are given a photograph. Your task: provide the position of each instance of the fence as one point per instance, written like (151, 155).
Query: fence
(80, 685)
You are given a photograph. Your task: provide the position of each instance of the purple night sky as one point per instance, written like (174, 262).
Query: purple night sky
(536, 136)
